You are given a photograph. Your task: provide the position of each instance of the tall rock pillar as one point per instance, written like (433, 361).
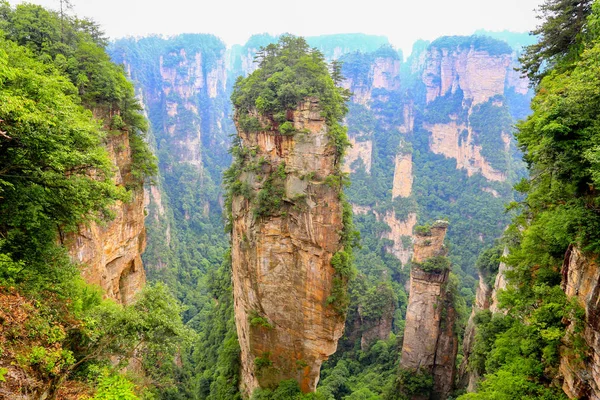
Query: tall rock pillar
(430, 343)
(287, 222)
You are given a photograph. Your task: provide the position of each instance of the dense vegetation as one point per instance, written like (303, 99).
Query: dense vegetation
(519, 352)
(480, 43)
(56, 174)
(191, 199)
(187, 243)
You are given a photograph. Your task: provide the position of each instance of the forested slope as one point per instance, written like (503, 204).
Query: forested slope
(64, 108)
(422, 149)
(539, 337)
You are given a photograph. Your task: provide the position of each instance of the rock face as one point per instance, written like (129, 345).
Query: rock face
(359, 150)
(401, 234)
(282, 273)
(457, 141)
(467, 378)
(581, 282)
(403, 176)
(479, 74)
(430, 344)
(111, 253)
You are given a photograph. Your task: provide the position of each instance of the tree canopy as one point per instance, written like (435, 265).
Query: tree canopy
(561, 34)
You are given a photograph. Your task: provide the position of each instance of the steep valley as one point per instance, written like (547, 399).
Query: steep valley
(294, 218)
(431, 137)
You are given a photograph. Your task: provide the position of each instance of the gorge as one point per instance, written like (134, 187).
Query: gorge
(299, 218)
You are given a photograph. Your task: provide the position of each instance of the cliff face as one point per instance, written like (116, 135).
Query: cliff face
(403, 176)
(111, 252)
(466, 377)
(479, 76)
(182, 82)
(282, 273)
(430, 343)
(442, 101)
(581, 283)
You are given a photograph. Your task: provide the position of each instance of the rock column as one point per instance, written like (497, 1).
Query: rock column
(286, 228)
(430, 343)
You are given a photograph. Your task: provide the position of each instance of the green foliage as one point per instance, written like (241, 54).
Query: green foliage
(520, 351)
(354, 370)
(488, 262)
(481, 43)
(56, 175)
(342, 263)
(377, 301)
(286, 390)
(423, 230)
(112, 386)
(256, 320)
(54, 164)
(443, 108)
(490, 121)
(289, 73)
(262, 362)
(287, 128)
(436, 264)
(270, 197)
(560, 37)
(49, 148)
(414, 383)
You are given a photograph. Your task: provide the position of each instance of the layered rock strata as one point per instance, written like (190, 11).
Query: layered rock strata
(283, 280)
(581, 283)
(430, 344)
(111, 252)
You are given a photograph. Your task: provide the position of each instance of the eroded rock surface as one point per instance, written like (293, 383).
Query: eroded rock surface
(282, 273)
(111, 252)
(581, 282)
(477, 73)
(430, 343)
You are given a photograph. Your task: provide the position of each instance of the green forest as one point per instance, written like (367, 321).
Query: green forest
(91, 126)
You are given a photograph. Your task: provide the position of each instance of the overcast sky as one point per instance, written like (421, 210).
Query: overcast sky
(234, 21)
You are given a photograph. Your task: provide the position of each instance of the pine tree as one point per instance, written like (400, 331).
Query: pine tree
(560, 37)
(336, 72)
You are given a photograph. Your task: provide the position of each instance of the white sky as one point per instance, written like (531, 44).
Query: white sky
(234, 21)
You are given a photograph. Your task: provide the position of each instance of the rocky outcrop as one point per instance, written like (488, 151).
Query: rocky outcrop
(182, 83)
(111, 252)
(479, 74)
(386, 72)
(408, 118)
(455, 70)
(383, 73)
(359, 150)
(581, 283)
(456, 140)
(430, 344)
(403, 176)
(467, 378)
(500, 284)
(283, 279)
(401, 234)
